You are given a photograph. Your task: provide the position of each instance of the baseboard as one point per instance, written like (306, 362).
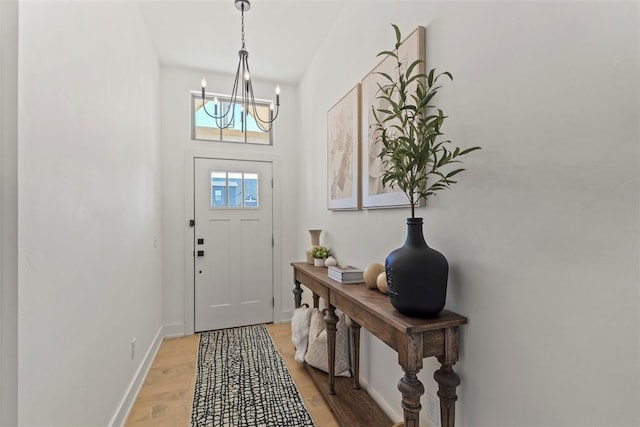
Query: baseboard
(386, 408)
(173, 330)
(129, 398)
(285, 316)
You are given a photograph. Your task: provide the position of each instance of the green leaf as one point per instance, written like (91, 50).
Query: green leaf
(448, 74)
(387, 53)
(413, 65)
(398, 36)
(468, 150)
(455, 172)
(430, 77)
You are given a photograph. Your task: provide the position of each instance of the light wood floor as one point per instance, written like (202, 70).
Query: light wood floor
(166, 396)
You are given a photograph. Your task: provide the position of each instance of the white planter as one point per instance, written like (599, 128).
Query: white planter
(318, 262)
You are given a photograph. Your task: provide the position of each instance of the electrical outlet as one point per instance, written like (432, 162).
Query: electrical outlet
(133, 348)
(433, 409)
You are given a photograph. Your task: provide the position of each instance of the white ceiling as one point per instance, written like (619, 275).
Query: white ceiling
(281, 36)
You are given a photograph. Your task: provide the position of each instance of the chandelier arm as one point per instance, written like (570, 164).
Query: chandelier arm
(253, 105)
(257, 115)
(232, 101)
(250, 97)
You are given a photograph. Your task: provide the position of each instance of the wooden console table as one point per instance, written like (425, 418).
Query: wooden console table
(412, 338)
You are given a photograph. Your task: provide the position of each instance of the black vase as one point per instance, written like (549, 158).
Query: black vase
(417, 275)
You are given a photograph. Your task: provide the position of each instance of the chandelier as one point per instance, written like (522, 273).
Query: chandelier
(242, 92)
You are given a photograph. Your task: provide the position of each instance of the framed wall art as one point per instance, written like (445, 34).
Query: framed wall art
(343, 152)
(374, 194)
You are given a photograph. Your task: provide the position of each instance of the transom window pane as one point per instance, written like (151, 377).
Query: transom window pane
(229, 128)
(234, 190)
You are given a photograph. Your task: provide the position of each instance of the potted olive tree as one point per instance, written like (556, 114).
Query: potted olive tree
(418, 161)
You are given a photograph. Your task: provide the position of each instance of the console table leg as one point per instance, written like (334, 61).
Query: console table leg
(355, 339)
(330, 320)
(447, 382)
(411, 389)
(316, 300)
(297, 294)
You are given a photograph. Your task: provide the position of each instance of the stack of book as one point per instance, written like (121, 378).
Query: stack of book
(345, 274)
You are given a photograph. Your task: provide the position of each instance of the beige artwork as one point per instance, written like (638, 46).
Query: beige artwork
(343, 139)
(374, 162)
(341, 150)
(375, 194)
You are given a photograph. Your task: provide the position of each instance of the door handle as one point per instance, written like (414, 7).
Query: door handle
(200, 253)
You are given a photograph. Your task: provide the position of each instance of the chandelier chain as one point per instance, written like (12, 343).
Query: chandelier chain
(242, 20)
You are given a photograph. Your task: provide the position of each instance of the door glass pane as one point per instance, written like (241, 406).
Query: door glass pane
(234, 190)
(234, 183)
(251, 190)
(218, 189)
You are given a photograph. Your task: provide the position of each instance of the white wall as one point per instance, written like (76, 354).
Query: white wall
(541, 233)
(177, 201)
(89, 208)
(8, 213)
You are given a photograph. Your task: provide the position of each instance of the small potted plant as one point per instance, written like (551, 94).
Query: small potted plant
(320, 253)
(417, 160)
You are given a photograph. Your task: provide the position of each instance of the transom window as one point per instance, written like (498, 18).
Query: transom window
(205, 127)
(234, 190)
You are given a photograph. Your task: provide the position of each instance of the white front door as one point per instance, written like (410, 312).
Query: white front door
(233, 262)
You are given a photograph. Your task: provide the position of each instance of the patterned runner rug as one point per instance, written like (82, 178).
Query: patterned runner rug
(241, 381)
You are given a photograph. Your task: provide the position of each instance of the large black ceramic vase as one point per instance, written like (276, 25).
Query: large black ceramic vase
(417, 275)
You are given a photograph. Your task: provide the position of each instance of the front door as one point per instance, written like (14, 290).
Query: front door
(233, 243)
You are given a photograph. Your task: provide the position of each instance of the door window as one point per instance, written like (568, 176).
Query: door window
(234, 189)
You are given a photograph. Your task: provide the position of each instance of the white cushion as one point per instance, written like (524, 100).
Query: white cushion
(317, 355)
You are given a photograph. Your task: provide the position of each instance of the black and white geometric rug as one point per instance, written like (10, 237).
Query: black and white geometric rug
(241, 381)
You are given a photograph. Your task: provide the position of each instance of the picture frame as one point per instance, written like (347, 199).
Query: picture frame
(343, 152)
(374, 194)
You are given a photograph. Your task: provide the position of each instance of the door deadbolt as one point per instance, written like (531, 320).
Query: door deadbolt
(200, 253)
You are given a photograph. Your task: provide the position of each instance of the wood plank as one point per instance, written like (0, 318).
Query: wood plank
(352, 408)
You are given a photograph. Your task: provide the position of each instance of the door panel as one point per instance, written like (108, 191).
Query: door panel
(234, 271)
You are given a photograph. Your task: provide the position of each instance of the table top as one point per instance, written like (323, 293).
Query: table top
(378, 304)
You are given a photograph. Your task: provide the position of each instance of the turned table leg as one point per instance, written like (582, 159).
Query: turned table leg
(330, 320)
(297, 294)
(411, 389)
(355, 339)
(316, 300)
(447, 379)
(447, 382)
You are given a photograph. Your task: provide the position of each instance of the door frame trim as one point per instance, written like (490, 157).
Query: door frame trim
(189, 236)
